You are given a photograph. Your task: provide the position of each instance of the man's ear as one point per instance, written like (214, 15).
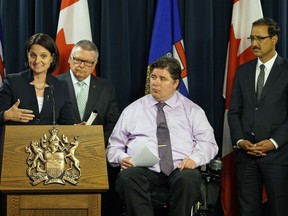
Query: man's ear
(69, 59)
(176, 84)
(274, 39)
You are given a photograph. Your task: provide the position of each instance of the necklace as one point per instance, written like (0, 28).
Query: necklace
(41, 88)
(38, 88)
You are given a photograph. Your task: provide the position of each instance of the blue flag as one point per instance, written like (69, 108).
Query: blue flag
(167, 39)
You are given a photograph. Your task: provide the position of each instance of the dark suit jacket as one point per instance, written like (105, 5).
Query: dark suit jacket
(264, 119)
(17, 86)
(101, 98)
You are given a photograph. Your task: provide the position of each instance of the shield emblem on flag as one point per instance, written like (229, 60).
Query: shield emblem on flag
(55, 164)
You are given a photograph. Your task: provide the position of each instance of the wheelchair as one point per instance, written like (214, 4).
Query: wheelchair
(210, 190)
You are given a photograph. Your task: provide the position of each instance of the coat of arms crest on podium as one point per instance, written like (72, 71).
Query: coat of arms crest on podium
(53, 159)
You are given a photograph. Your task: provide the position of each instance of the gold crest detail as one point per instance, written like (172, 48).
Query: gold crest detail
(53, 160)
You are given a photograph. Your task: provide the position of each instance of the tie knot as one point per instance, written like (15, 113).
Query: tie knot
(81, 83)
(262, 67)
(160, 105)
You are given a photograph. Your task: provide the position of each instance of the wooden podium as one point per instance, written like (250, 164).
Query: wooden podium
(46, 196)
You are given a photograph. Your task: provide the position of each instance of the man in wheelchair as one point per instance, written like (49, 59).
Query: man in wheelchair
(169, 125)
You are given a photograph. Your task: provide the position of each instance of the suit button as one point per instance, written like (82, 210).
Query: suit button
(256, 108)
(252, 133)
(37, 120)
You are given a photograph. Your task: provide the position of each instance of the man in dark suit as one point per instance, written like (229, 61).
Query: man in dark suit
(257, 118)
(99, 96)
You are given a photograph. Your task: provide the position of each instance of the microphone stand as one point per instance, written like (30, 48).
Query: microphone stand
(53, 105)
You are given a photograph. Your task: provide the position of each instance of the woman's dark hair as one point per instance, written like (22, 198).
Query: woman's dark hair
(273, 28)
(48, 43)
(171, 64)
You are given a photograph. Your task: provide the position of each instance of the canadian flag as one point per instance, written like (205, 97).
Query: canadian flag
(73, 25)
(244, 13)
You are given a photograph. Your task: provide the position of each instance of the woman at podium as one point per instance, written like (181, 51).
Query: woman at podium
(34, 96)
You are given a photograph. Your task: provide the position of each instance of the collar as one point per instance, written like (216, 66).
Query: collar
(74, 80)
(171, 102)
(268, 64)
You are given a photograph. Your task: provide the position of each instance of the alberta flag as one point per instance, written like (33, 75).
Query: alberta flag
(73, 25)
(167, 39)
(2, 68)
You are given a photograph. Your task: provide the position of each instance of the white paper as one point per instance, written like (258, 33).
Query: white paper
(145, 158)
(91, 118)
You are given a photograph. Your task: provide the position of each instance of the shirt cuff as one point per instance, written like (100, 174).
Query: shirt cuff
(237, 144)
(122, 156)
(274, 143)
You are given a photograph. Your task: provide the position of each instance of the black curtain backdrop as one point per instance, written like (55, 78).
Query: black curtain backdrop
(122, 31)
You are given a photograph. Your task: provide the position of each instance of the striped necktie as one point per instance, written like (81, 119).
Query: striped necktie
(81, 98)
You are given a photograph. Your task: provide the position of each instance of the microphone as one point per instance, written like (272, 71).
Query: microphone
(51, 87)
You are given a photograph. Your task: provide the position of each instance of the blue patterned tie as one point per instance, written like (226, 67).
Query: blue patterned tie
(260, 81)
(164, 143)
(81, 98)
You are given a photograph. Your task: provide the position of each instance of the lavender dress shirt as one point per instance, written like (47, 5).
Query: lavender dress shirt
(190, 132)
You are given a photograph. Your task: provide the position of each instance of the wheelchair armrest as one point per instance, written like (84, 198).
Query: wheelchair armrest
(210, 187)
(211, 172)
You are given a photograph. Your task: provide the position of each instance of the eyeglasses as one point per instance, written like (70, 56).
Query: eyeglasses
(259, 39)
(79, 61)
